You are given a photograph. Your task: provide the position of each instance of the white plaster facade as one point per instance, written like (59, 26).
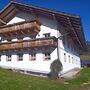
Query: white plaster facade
(40, 65)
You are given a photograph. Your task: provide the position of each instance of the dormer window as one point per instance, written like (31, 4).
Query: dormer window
(46, 35)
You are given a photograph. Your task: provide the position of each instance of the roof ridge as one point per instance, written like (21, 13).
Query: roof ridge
(43, 8)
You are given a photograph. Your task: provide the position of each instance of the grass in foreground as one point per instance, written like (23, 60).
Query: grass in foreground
(15, 81)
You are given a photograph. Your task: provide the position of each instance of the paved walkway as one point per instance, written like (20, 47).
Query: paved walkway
(71, 73)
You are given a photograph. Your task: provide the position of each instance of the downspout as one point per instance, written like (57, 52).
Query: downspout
(58, 51)
(55, 22)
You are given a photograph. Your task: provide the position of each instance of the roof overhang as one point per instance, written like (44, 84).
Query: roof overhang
(71, 23)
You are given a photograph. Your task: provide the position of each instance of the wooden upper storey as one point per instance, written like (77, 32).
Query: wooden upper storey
(20, 28)
(28, 44)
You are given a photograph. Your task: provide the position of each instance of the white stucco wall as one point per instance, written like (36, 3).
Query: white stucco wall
(39, 64)
(72, 58)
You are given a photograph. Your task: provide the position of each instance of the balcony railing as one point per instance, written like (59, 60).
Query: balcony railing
(20, 28)
(33, 43)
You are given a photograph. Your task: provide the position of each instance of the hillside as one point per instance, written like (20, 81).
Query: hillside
(10, 80)
(85, 55)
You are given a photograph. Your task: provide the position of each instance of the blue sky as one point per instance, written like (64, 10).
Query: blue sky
(78, 7)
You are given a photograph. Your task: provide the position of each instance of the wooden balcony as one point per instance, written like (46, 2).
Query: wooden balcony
(20, 28)
(28, 44)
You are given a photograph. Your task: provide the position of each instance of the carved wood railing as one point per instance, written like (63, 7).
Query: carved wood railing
(32, 43)
(21, 27)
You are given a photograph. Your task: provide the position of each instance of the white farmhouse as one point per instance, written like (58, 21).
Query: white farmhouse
(32, 38)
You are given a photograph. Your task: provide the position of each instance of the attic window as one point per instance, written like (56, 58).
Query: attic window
(46, 35)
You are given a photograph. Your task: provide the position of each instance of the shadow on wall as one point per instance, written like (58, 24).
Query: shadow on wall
(56, 67)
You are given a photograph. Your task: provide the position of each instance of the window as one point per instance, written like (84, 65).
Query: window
(8, 58)
(0, 57)
(20, 57)
(69, 58)
(47, 56)
(20, 38)
(8, 39)
(64, 57)
(32, 57)
(76, 61)
(72, 60)
(33, 37)
(46, 35)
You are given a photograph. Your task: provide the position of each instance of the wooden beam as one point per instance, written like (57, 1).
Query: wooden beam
(2, 21)
(22, 32)
(16, 33)
(77, 38)
(10, 15)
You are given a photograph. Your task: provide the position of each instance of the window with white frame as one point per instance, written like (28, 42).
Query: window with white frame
(46, 35)
(47, 56)
(20, 57)
(69, 58)
(8, 58)
(0, 57)
(64, 57)
(76, 61)
(32, 57)
(72, 60)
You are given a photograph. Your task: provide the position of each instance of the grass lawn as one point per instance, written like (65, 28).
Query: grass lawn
(10, 80)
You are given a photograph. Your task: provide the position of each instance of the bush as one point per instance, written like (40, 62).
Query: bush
(55, 67)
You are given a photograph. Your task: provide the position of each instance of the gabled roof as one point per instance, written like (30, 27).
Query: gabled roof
(71, 23)
(13, 7)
